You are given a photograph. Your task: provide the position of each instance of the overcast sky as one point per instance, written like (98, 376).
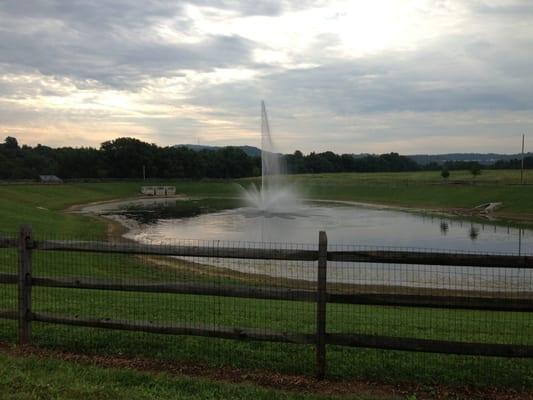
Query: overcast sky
(412, 76)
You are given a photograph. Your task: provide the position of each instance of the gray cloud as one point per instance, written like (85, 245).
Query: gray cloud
(473, 81)
(424, 81)
(108, 42)
(514, 9)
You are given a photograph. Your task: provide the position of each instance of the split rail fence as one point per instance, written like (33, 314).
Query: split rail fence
(27, 245)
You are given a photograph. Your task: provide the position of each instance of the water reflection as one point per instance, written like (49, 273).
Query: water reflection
(344, 224)
(215, 219)
(473, 233)
(476, 230)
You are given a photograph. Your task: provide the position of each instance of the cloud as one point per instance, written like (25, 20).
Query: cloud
(113, 43)
(341, 75)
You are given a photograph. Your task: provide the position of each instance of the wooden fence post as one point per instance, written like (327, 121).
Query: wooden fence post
(24, 283)
(321, 301)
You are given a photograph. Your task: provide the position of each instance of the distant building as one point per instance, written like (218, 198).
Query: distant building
(148, 190)
(158, 190)
(50, 179)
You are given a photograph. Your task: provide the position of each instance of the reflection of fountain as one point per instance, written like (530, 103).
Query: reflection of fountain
(473, 233)
(275, 197)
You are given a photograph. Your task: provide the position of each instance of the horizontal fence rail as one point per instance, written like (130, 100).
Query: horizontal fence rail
(268, 293)
(275, 293)
(340, 339)
(7, 242)
(9, 314)
(368, 256)
(181, 251)
(9, 278)
(175, 329)
(432, 258)
(430, 346)
(520, 302)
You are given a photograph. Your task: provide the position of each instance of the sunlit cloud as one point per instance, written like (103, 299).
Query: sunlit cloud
(413, 76)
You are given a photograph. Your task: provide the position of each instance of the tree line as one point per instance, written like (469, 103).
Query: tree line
(133, 158)
(124, 158)
(328, 161)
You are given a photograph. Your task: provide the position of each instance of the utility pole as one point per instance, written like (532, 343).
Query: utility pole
(522, 163)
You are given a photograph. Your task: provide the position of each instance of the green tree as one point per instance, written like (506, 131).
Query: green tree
(127, 156)
(445, 173)
(11, 143)
(475, 170)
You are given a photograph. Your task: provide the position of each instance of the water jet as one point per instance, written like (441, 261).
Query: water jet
(275, 197)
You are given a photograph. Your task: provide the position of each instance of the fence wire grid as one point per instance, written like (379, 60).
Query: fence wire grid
(215, 301)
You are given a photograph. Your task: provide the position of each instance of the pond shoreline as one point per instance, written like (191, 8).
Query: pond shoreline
(120, 227)
(116, 227)
(127, 228)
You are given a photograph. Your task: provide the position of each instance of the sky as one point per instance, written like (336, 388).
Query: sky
(409, 76)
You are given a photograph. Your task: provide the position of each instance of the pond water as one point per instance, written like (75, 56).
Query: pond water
(347, 226)
(168, 219)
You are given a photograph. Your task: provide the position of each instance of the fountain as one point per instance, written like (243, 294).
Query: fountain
(275, 197)
(274, 213)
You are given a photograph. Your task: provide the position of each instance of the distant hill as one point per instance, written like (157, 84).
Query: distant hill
(486, 159)
(249, 150)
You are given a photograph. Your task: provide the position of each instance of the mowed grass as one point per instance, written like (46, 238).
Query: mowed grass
(425, 189)
(486, 176)
(28, 378)
(43, 206)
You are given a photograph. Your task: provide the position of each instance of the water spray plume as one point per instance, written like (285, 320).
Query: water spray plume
(275, 196)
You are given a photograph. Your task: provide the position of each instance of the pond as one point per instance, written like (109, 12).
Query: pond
(347, 226)
(215, 219)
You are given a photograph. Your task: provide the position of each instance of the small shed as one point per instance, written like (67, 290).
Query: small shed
(148, 190)
(158, 190)
(50, 179)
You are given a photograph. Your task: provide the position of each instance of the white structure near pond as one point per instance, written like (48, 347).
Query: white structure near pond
(50, 179)
(158, 190)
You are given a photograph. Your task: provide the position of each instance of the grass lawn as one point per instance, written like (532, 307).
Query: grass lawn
(43, 205)
(28, 378)
(424, 190)
(343, 363)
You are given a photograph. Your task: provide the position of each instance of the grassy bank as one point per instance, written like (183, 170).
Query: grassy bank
(27, 378)
(421, 190)
(43, 205)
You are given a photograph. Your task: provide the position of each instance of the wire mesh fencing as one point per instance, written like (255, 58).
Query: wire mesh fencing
(247, 305)
(8, 288)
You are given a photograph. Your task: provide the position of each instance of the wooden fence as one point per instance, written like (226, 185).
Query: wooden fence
(27, 245)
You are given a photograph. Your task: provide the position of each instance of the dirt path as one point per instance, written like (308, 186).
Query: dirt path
(285, 382)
